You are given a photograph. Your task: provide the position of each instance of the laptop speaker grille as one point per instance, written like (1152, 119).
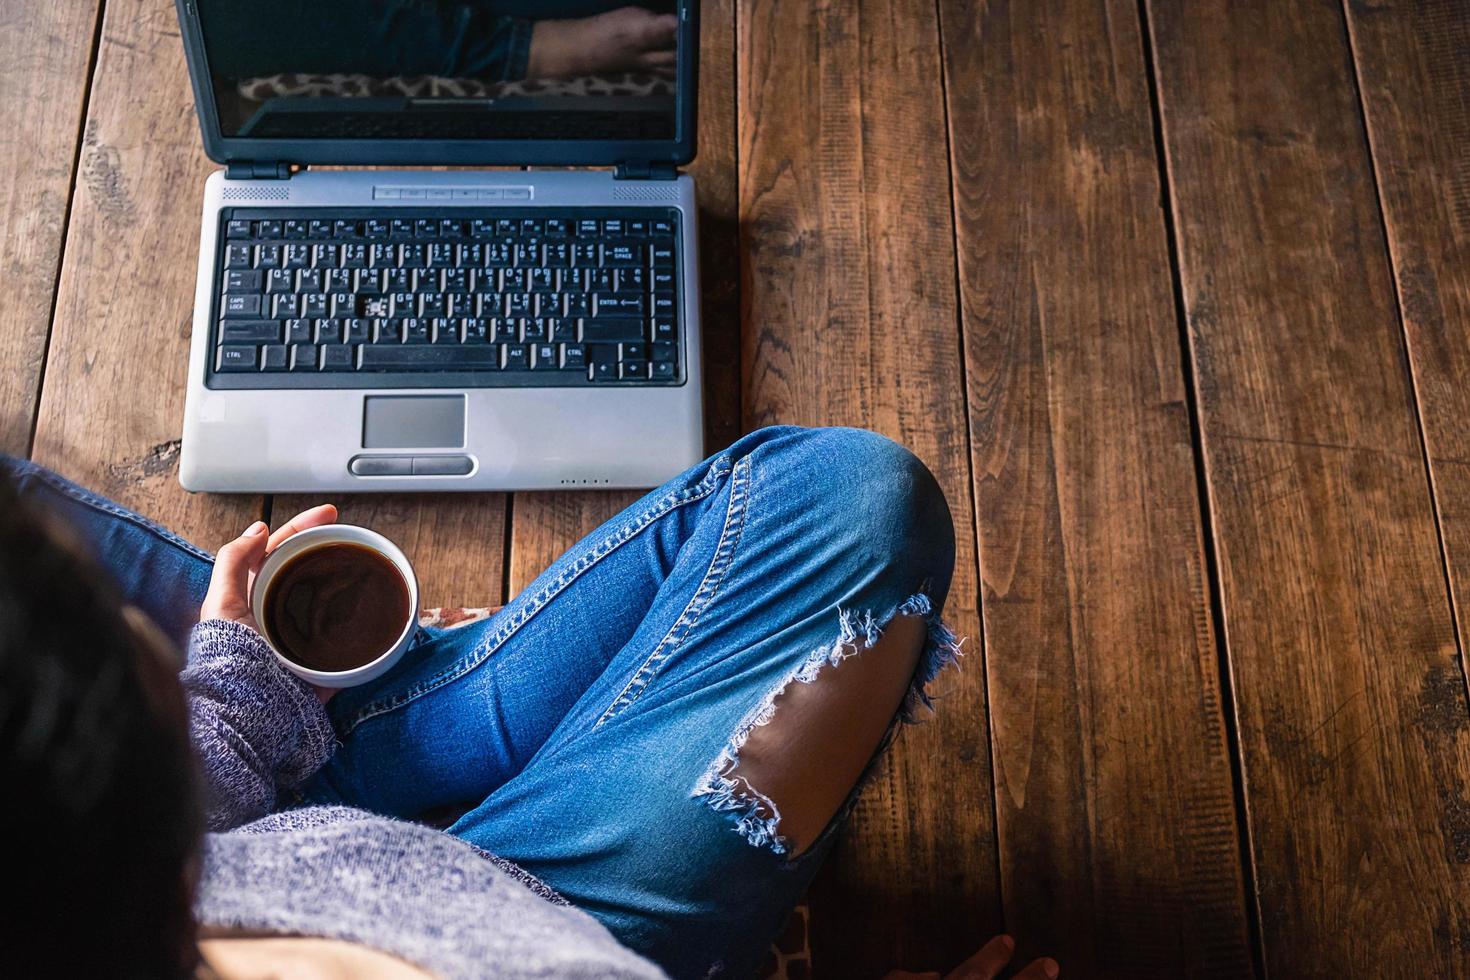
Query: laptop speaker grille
(256, 193)
(641, 192)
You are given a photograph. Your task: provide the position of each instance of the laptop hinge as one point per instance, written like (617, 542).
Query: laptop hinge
(645, 170)
(259, 170)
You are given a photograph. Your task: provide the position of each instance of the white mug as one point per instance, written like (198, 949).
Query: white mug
(338, 534)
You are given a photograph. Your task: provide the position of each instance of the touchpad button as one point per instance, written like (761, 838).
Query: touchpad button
(413, 421)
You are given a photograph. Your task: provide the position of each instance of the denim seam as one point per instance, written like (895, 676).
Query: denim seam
(480, 653)
(703, 596)
(108, 507)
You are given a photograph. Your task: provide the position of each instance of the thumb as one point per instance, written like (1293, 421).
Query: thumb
(229, 587)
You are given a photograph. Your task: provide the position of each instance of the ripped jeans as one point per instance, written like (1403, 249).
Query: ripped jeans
(590, 731)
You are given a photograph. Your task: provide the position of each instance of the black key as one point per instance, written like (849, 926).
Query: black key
(375, 228)
(588, 227)
(244, 280)
(599, 280)
(573, 357)
(344, 228)
(506, 331)
(662, 279)
(492, 305)
(240, 307)
(311, 281)
(528, 254)
(344, 304)
(462, 304)
(274, 357)
(661, 254)
(297, 255)
(618, 303)
(482, 228)
(476, 330)
(635, 352)
(354, 256)
(404, 304)
(457, 358)
(325, 257)
(452, 228)
(612, 227)
(387, 332)
(663, 304)
(314, 306)
(368, 282)
(535, 331)
(563, 331)
(507, 227)
(498, 255)
(336, 357)
(236, 359)
(298, 331)
(584, 254)
(441, 255)
(518, 304)
(456, 280)
(329, 331)
(664, 329)
(543, 357)
(622, 254)
(383, 255)
(296, 228)
(612, 328)
(578, 304)
(426, 228)
(303, 357)
(237, 229)
(543, 280)
(446, 331)
(285, 306)
(661, 227)
(415, 331)
(321, 229)
(634, 370)
(250, 332)
(556, 255)
(401, 228)
(633, 280)
(557, 226)
(664, 350)
(638, 227)
(517, 357)
(356, 330)
(602, 362)
(514, 281)
(532, 226)
(269, 229)
(663, 370)
(238, 257)
(415, 256)
(268, 256)
(433, 304)
(471, 256)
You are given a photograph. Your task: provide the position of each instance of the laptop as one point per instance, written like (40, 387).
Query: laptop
(362, 328)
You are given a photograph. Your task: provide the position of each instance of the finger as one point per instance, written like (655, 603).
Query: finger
(229, 587)
(988, 962)
(657, 59)
(315, 517)
(1045, 968)
(659, 31)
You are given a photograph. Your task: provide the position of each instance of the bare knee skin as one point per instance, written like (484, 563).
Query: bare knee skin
(822, 734)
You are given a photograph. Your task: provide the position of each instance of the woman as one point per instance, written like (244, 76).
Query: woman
(645, 754)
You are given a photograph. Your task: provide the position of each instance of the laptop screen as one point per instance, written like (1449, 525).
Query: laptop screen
(414, 70)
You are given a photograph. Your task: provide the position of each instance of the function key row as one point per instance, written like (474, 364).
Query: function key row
(384, 228)
(533, 253)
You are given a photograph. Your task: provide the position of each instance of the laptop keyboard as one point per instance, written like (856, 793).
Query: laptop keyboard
(407, 297)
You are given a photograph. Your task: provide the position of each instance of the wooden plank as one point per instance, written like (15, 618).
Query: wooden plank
(1116, 816)
(45, 65)
(112, 401)
(1351, 707)
(543, 525)
(1413, 64)
(850, 317)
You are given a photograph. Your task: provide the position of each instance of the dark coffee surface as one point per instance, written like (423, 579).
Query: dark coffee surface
(336, 606)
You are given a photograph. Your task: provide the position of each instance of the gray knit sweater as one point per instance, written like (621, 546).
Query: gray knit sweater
(431, 899)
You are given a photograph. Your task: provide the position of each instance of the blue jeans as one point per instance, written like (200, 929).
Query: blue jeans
(585, 731)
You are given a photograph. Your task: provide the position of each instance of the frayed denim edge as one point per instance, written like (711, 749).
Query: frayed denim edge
(756, 815)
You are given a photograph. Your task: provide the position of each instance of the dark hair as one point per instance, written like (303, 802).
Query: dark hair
(101, 820)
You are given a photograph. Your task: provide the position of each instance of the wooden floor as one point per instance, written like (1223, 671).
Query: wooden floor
(1173, 297)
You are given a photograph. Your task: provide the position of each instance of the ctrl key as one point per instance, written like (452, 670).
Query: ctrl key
(233, 357)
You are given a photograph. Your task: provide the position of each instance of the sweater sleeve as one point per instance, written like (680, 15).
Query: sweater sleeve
(259, 730)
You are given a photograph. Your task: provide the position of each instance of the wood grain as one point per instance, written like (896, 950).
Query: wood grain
(850, 317)
(1413, 64)
(1115, 808)
(543, 525)
(112, 402)
(1353, 721)
(45, 66)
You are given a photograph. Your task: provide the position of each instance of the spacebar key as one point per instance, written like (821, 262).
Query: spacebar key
(414, 357)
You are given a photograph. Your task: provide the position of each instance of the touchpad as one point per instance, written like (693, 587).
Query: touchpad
(413, 421)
